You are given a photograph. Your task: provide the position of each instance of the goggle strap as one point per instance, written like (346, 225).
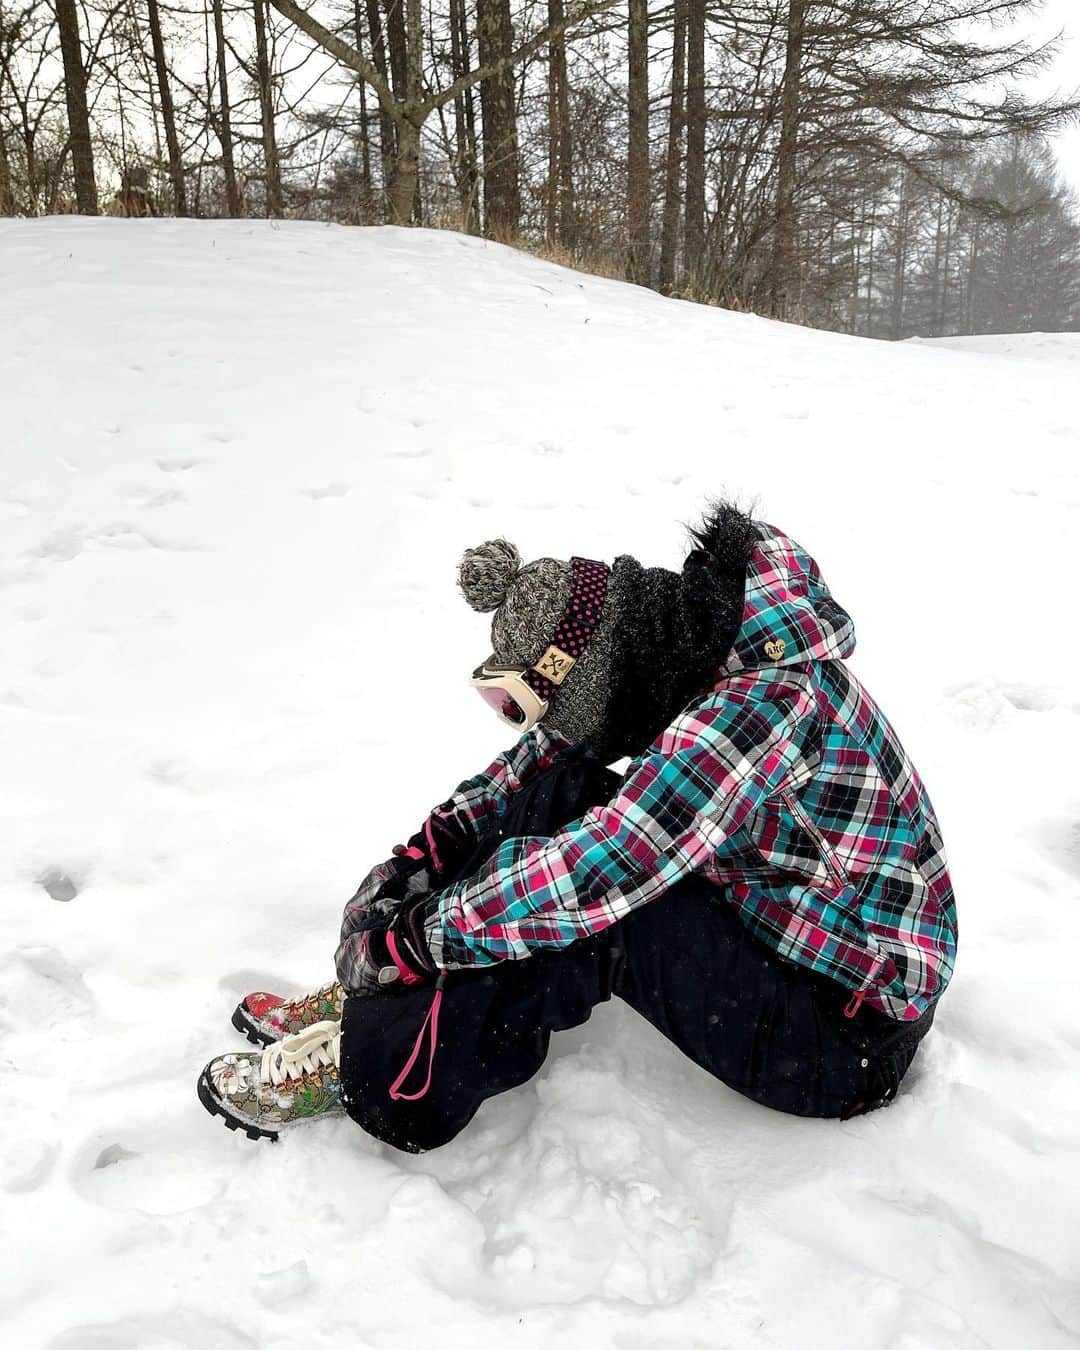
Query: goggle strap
(579, 621)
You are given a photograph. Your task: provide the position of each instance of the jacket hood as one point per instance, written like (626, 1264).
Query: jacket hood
(789, 614)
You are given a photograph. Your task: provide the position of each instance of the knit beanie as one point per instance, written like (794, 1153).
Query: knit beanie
(528, 603)
(662, 634)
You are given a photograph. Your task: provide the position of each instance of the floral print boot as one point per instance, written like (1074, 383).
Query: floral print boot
(265, 1018)
(264, 1092)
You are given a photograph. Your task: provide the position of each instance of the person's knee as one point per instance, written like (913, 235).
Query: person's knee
(409, 1127)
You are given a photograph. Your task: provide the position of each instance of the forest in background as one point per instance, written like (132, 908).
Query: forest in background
(870, 166)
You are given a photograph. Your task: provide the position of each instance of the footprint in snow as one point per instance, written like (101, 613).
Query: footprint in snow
(153, 1168)
(58, 885)
(179, 463)
(62, 545)
(42, 978)
(318, 494)
(155, 498)
(247, 981)
(172, 1328)
(1030, 697)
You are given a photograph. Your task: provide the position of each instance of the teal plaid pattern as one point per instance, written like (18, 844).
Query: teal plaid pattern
(784, 784)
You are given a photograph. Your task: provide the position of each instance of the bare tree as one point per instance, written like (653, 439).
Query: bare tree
(694, 227)
(82, 151)
(228, 159)
(638, 178)
(274, 206)
(673, 153)
(785, 263)
(560, 181)
(168, 116)
(410, 111)
(502, 193)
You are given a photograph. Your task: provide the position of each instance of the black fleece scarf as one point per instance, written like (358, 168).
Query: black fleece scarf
(672, 631)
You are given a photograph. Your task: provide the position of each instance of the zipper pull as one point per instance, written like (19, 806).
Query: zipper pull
(854, 1003)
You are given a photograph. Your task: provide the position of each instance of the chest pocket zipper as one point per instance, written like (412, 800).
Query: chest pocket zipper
(832, 863)
(835, 869)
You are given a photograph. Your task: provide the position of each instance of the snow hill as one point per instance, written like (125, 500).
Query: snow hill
(238, 462)
(1054, 348)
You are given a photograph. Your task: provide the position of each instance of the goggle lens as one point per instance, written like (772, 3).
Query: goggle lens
(502, 702)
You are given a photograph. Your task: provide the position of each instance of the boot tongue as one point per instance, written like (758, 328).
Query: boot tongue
(291, 1057)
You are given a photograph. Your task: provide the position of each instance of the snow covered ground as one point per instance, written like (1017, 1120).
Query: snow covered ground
(238, 463)
(1054, 348)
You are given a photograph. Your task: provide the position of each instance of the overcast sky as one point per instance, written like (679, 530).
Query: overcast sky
(1064, 77)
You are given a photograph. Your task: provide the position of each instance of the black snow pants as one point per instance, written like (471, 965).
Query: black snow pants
(771, 1030)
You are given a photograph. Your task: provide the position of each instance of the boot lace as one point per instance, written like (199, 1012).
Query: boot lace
(326, 993)
(316, 1047)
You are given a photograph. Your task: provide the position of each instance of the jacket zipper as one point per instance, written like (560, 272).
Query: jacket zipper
(828, 857)
(835, 868)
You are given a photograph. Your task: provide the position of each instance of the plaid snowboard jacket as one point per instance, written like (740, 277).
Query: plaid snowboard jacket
(783, 784)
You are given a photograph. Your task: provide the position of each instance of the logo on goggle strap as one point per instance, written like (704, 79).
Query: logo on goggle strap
(774, 650)
(554, 665)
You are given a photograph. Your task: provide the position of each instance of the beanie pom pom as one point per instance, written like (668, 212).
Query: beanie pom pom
(486, 574)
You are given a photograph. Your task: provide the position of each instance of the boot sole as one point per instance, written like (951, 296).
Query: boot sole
(241, 1020)
(212, 1102)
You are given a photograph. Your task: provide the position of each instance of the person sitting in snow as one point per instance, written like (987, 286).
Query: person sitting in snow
(765, 883)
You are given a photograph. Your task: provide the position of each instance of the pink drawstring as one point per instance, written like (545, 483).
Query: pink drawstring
(431, 1022)
(433, 852)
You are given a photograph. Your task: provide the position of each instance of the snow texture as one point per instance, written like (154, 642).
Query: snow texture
(239, 465)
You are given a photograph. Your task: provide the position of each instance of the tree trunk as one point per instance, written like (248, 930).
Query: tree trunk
(694, 229)
(464, 121)
(502, 199)
(784, 261)
(556, 72)
(871, 261)
(414, 87)
(973, 276)
(900, 261)
(387, 131)
(228, 163)
(406, 169)
(7, 196)
(82, 153)
(168, 115)
(365, 140)
(669, 235)
(266, 108)
(560, 186)
(396, 45)
(638, 192)
(946, 263)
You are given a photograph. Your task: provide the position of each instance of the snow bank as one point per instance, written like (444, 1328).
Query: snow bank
(238, 464)
(1055, 348)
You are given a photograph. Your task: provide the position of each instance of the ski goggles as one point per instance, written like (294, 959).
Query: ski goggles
(503, 689)
(520, 694)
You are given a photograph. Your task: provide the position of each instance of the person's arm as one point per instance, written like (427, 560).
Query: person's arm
(452, 829)
(709, 771)
(447, 837)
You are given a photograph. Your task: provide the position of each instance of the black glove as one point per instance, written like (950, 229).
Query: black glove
(387, 884)
(387, 950)
(444, 843)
